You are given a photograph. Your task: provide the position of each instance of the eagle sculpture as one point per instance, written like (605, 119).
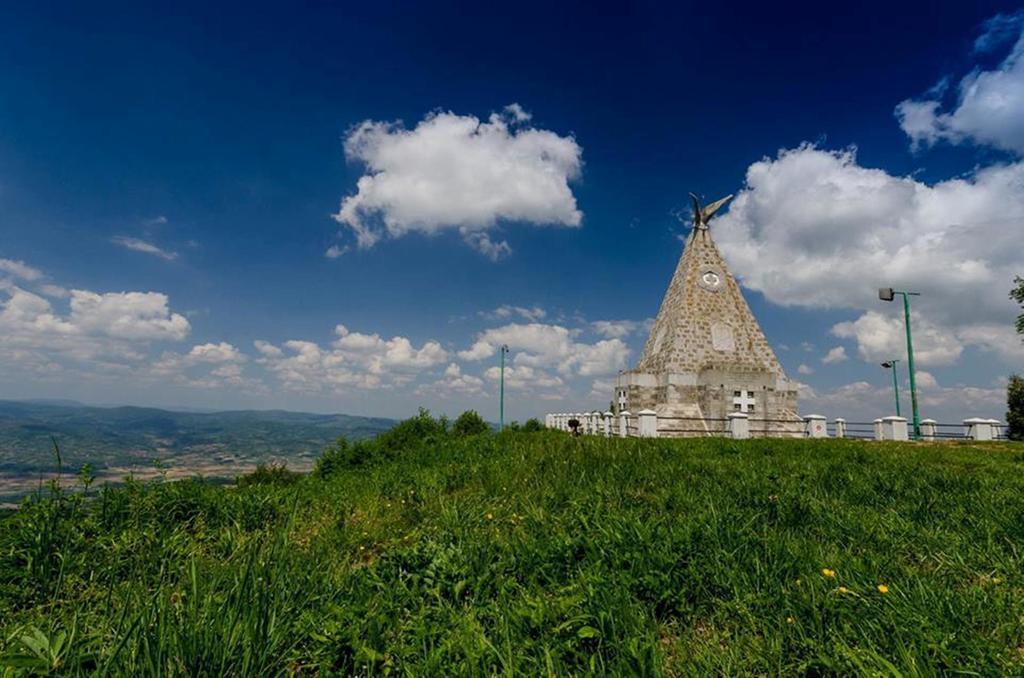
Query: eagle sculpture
(702, 215)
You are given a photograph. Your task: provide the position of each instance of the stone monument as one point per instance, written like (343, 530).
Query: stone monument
(706, 356)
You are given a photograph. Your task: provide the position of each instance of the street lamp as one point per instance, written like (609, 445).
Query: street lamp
(888, 294)
(891, 365)
(501, 390)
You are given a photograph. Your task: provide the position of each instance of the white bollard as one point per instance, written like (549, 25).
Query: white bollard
(878, 429)
(648, 423)
(840, 427)
(894, 428)
(595, 422)
(978, 428)
(608, 424)
(928, 429)
(815, 426)
(624, 423)
(739, 425)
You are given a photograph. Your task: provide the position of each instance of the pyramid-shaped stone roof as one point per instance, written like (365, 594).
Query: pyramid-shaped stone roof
(704, 322)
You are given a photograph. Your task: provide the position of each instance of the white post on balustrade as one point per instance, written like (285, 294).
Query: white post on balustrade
(928, 429)
(894, 428)
(878, 429)
(840, 427)
(624, 416)
(648, 423)
(815, 426)
(608, 424)
(978, 428)
(739, 425)
(595, 422)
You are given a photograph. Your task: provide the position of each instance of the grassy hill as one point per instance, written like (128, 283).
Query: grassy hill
(117, 441)
(537, 553)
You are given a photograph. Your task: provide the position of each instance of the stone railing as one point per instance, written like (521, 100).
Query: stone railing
(647, 424)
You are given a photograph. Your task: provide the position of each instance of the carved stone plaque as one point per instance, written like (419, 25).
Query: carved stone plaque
(722, 338)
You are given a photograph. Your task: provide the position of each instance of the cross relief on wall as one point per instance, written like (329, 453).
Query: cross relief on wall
(743, 401)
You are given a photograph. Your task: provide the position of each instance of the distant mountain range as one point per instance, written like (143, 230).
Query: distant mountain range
(117, 441)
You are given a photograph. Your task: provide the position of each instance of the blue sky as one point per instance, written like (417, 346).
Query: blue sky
(348, 208)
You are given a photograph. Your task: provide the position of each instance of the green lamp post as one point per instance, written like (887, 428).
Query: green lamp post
(501, 390)
(891, 365)
(888, 294)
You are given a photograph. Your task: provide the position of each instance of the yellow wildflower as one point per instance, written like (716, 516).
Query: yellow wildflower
(489, 516)
(882, 588)
(831, 574)
(790, 620)
(843, 589)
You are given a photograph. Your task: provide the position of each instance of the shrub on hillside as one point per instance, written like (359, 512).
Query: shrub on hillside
(470, 423)
(269, 474)
(411, 434)
(1015, 407)
(532, 425)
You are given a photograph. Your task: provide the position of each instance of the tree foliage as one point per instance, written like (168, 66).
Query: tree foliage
(1015, 407)
(470, 423)
(1017, 294)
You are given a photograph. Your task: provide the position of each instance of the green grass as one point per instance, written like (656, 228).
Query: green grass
(538, 553)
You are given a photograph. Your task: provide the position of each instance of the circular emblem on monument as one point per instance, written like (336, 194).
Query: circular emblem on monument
(711, 279)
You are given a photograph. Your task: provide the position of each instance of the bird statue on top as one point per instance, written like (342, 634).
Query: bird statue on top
(702, 215)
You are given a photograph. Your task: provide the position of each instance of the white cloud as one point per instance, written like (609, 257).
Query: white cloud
(335, 251)
(216, 353)
(458, 172)
(353, 360)
(925, 380)
(620, 329)
(989, 102)
(814, 229)
(835, 355)
(453, 380)
(526, 378)
(99, 335)
(805, 369)
(55, 291)
(540, 345)
(139, 245)
(506, 311)
(883, 337)
(127, 315)
(19, 269)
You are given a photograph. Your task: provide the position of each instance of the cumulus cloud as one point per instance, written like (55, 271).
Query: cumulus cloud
(127, 315)
(139, 245)
(835, 355)
(540, 345)
(454, 380)
(99, 334)
(882, 337)
(142, 316)
(19, 269)
(989, 103)
(458, 172)
(812, 228)
(354, 359)
(805, 369)
(506, 311)
(526, 378)
(207, 366)
(620, 329)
